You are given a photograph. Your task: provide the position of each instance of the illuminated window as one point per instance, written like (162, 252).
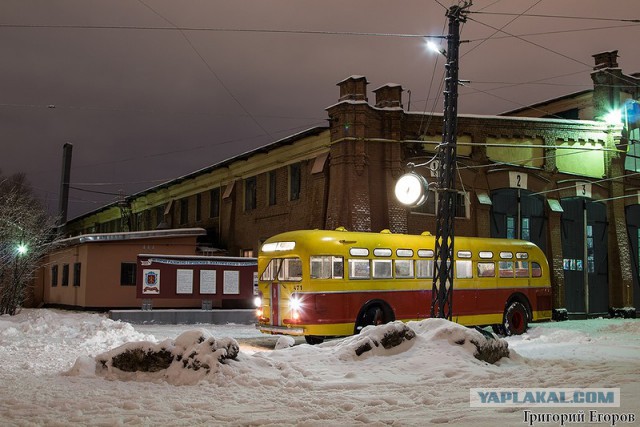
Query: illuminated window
(424, 269)
(359, 269)
(464, 269)
(382, 269)
(486, 269)
(404, 269)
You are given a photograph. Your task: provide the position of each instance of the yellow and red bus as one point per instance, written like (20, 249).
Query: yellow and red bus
(321, 283)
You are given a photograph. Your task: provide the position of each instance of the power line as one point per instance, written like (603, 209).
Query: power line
(218, 30)
(590, 18)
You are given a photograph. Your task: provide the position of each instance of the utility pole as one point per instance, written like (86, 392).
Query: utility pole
(442, 290)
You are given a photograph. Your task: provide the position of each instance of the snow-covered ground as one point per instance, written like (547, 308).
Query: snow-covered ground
(47, 376)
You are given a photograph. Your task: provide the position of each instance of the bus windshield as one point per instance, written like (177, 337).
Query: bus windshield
(285, 269)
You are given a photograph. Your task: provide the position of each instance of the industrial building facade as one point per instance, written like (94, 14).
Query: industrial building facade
(566, 184)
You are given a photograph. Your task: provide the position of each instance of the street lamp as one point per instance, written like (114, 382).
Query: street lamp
(22, 249)
(412, 189)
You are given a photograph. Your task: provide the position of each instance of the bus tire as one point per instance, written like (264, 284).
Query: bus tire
(313, 340)
(516, 319)
(373, 315)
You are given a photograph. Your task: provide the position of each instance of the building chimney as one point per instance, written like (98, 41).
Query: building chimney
(606, 60)
(353, 88)
(389, 96)
(63, 203)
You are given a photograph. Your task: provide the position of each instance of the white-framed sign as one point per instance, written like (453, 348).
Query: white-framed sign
(518, 180)
(583, 189)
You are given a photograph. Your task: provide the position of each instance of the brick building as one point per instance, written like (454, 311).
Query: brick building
(557, 175)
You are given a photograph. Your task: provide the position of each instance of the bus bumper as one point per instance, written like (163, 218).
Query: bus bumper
(284, 330)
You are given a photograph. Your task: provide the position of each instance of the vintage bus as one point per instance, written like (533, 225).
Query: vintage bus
(321, 283)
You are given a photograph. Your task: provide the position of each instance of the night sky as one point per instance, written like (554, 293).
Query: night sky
(143, 102)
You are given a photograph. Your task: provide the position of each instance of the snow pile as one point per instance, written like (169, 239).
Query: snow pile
(185, 360)
(419, 381)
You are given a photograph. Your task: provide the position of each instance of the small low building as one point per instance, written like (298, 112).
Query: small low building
(98, 271)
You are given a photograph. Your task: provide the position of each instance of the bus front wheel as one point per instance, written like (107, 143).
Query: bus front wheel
(313, 340)
(516, 319)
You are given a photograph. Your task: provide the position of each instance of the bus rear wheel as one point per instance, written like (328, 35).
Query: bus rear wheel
(516, 319)
(313, 340)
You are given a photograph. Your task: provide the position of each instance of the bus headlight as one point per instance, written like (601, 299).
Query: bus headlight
(257, 301)
(295, 304)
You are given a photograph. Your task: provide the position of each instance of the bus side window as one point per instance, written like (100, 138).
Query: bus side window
(326, 267)
(486, 269)
(338, 267)
(522, 269)
(506, 269)
(404, 269)
(536, 270)
(464, 269)
(359, 269)
(382, 269)
(424, 269)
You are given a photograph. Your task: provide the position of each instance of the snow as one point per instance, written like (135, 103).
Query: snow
(50, 373)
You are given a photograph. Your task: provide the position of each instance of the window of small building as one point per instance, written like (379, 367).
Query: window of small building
(54, 275)
(76, 274)
(184, 211)
(486, 269)
(250, 195)
(295, 181)
(464, 269)
(214, 203)
(128, 274)
(246, 253)
(272, 188)
(65, 275)
(404, 269)
(382, 269)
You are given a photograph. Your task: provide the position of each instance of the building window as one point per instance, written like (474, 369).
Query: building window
(65, 275)
(159, 215)
(247, 253)
(198, 207)
(128, 274)
(214, 203)
(54, 275)
(184, 211)
(294, 181)
(250, 193)
(76, 274)
(272, 188)
(429, 207)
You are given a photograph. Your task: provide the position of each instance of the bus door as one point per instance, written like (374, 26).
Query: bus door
(275, 303)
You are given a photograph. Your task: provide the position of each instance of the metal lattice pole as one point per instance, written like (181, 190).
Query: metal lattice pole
(442, 290)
